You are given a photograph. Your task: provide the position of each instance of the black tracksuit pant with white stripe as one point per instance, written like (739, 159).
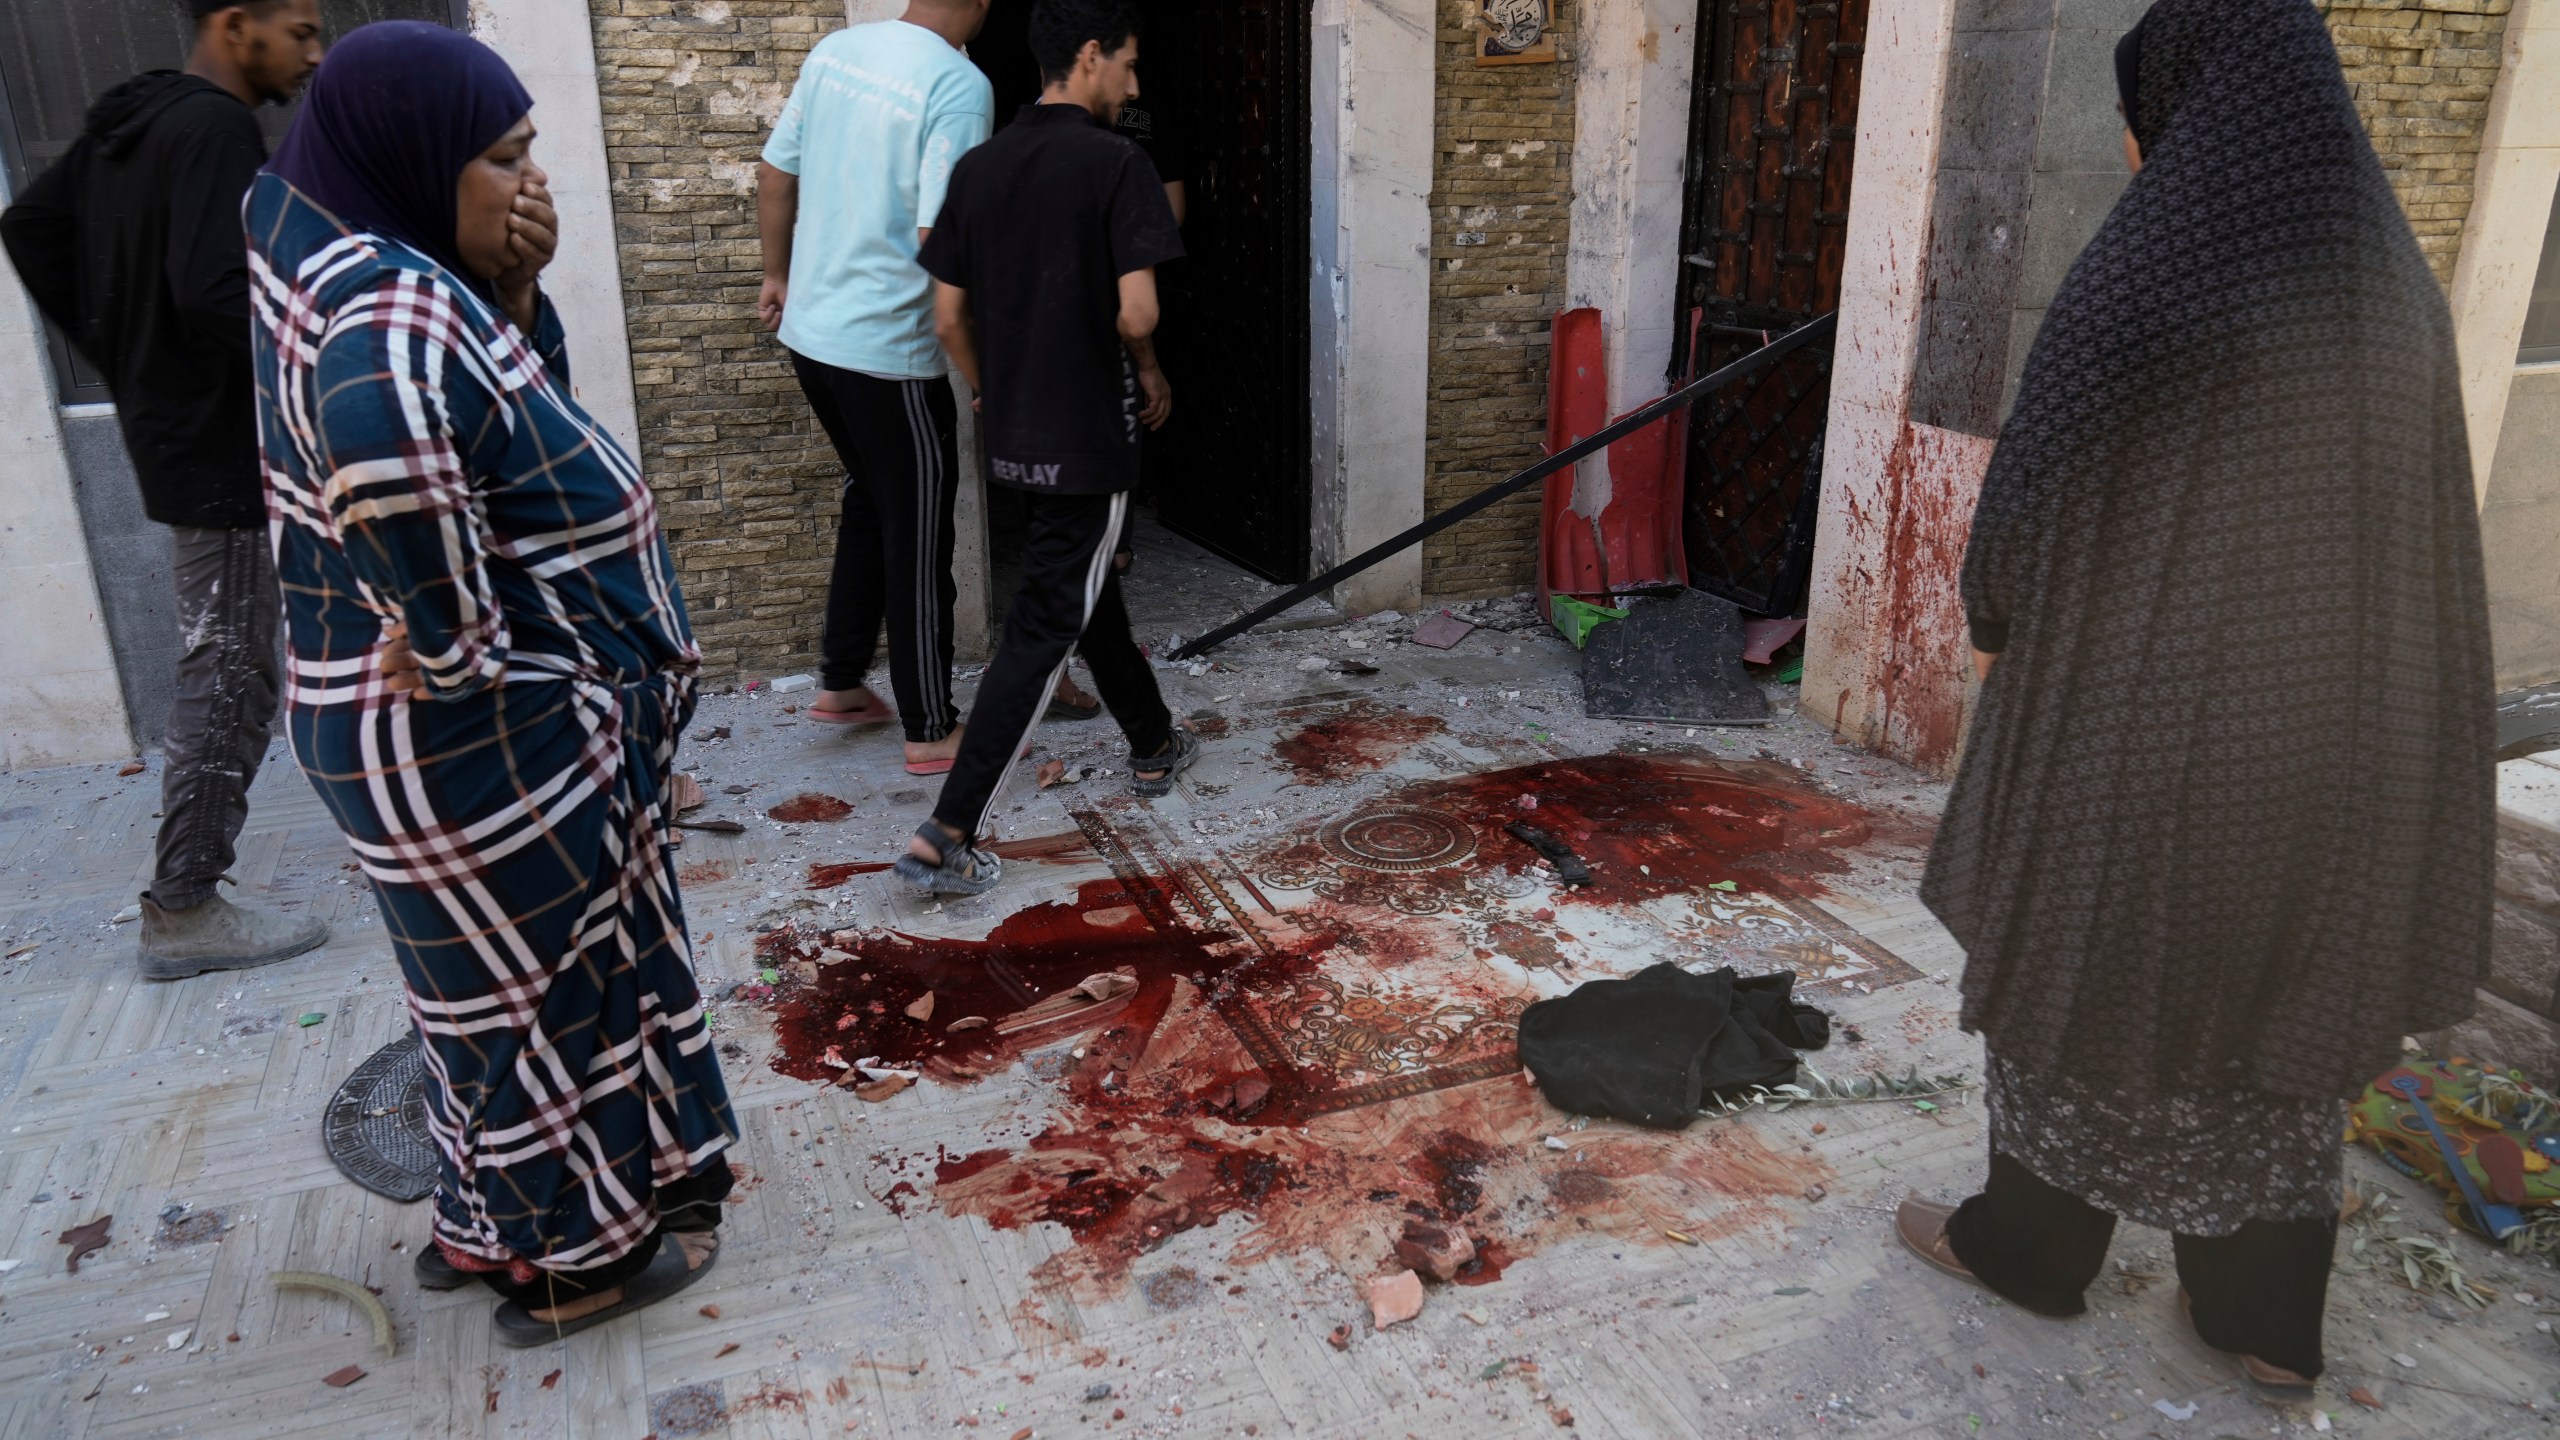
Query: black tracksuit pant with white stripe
(1068, 603)
(899, 441)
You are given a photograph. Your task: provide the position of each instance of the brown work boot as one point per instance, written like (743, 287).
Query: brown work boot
(218, 935)
(2272, 1381)
(1922, 1226)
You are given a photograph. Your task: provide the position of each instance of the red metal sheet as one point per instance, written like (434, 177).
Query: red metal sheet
(1635, 540)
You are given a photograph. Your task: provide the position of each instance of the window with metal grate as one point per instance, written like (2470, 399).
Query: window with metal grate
(58, 55)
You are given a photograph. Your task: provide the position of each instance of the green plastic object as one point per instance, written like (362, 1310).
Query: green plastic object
(1578, 618)
(1793, 672)
(311, 1019)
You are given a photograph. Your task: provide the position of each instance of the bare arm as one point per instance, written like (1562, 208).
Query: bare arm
(1138, 316)
(777, 211)
(1173, 196)
(951, 326)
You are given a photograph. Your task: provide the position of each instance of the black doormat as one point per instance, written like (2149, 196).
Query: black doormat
(376, 1125)
(1677, 660)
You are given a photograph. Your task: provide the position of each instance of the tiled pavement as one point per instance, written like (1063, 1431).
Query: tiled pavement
(924, 1315)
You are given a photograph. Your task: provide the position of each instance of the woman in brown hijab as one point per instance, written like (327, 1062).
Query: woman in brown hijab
(2222, 833)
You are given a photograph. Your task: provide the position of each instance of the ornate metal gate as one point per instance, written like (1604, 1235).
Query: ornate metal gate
(1773, 128)
(1231, 469)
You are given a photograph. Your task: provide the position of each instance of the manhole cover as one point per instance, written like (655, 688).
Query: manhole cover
(376, 1125)
(1399, 839)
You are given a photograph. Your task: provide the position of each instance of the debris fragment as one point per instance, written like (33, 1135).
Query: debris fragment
(343, 1376)
(712, 827)
(1101, 1389)
(966, 1022)
(126, 915)
(879, 1090)
(710, 1312)
(728, 1349)
(1683, 1239)
(1340, 1339)
(1394, 1299)
(793, 684)
(1435, 1249)
(1090, 993)
(1442, 631)
(1052, 772)
(354, 1294)
(2174, 1412)
(2364, 1397)
(130, 767)
(84, 1240)
(550, 1380)
(2404, 1362)
(1569, 866)
(309, 1018)
(685, 793)
(178, 1338)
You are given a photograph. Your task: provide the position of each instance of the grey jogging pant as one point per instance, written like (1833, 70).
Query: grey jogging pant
(225, 708)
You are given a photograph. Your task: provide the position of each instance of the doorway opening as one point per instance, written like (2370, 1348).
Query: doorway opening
(1223, 110)
(1764, 227)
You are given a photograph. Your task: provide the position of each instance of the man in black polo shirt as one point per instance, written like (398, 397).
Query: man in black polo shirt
(1045, 254)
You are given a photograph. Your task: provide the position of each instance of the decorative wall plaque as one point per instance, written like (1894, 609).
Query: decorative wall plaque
(1515, 32)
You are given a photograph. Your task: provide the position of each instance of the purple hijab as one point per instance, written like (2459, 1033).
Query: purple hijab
(396, 111)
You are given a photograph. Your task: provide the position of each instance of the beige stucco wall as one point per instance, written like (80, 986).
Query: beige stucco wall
(2520, 531)
(59, 701)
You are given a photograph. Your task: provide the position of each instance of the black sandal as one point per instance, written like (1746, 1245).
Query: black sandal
(963, 868)
(1173, 761)
(435, 1272)
(665, 1275)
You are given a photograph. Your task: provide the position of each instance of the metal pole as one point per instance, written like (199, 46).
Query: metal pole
(1687, 394)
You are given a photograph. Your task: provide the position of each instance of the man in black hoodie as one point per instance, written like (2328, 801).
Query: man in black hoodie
(132, 243)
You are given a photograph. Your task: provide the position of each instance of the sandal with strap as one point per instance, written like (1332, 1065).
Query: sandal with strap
(963, 869)
(1166, 765)
(666, 1274)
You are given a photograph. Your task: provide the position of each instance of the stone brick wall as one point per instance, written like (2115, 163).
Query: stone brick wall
(1501, 198)
(745, 481)
(2422, 71)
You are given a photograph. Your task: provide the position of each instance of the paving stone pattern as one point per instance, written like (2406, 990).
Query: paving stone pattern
(846, 1304)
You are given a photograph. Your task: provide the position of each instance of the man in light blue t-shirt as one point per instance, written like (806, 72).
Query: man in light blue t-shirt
(852, 179)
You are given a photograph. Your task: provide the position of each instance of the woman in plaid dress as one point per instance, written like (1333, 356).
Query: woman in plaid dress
(490, 665)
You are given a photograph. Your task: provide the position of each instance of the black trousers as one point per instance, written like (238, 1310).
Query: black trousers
(2257, 1291)
(900, 444)
(1068, 603)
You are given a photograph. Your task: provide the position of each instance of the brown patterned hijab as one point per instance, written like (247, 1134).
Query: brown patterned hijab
(2224, 815)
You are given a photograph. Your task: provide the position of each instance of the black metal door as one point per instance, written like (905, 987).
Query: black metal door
(1231, 470)
(1773, 128)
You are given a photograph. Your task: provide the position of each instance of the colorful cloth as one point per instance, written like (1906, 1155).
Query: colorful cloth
(425, 464)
